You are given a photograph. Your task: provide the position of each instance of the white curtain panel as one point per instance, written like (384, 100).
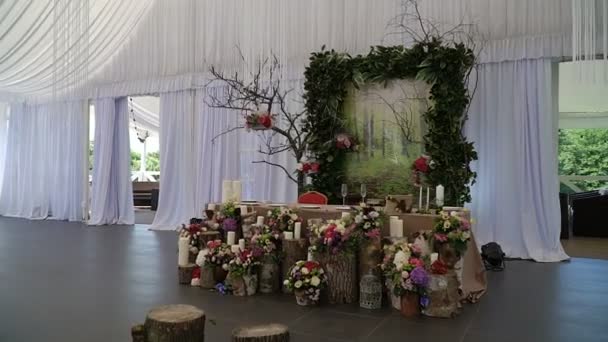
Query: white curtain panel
(4, 115)
(512, 121)
(112, 193)
(176, 203)
(44, 172)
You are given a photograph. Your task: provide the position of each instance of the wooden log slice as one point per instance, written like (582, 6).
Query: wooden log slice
(175, 323)
(261, 333)
(185, 273)
(293, 251)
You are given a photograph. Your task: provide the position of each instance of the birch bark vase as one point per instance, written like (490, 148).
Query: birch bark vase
(341, 272)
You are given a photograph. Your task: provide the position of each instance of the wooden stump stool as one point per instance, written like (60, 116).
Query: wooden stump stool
(261, 333)
(185, 273)
(293, 251)
(176, 323)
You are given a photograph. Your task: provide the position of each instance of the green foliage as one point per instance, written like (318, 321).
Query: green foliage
(444, 67)
(152, 161)
(584, 152)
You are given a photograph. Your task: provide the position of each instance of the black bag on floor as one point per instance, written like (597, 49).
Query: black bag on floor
(493, 256)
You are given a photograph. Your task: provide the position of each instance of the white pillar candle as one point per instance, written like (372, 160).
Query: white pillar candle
(260, 221)
(288, 235)
(439, 195)
(420, 199)
(428, 197)
(394, 218)
(226, 191)
(434, 257)
(235, 249)
(230, 237)
(243, 210)
(345, 215)
(183, 249)
(236, 190)
(309, 257)
(297, 230)
(211, 206)
(396, 228)
(242, 244)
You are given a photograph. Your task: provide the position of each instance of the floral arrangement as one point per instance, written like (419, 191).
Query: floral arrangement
(193, 231)
(257, 119)
(420, 169)
(368, 222)
(307, 276)
(346, 142)
(404, 270)
(264, 244)
(334, 236)
(228, 217)
(310, 167)
(282, 219)
(216, 254)
(243, 263)
(453, 229)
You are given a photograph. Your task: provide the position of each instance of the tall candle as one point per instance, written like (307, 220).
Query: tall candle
(309, 257)
(396, 228)
(345, 215)
(394, 218)
(243, 210)
(420, 199)
(439, 195)
(236, 190)
(230, 237)
(434, 257)
(211, 206)
(428, 197)
(242, 244)
(183, 249)
(288, 235)
(226, 191)
(260, 221)
(297, 230)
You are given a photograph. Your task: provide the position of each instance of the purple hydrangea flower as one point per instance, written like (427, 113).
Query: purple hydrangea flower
(229, 225)
(419, 276)
(221, 288)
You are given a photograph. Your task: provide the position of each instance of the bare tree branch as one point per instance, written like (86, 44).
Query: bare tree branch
(279, 166)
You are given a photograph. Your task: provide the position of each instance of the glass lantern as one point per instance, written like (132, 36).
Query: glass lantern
(370, 294)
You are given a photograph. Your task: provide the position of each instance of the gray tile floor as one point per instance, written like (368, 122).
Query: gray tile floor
(67, 282)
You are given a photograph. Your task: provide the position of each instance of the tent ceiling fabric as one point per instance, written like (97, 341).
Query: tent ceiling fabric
(142, 46)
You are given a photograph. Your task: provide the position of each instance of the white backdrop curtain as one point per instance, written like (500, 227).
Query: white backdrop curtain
(176, 202)
(4, 115)
(44, 172)
(112, 194)
(513, 122)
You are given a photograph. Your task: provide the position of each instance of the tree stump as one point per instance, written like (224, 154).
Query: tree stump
(172, 323)
(293, 251)
(185, 273)
(261, 333)
(207, 236)
(341, 271)
(269, 276)
(443, 295)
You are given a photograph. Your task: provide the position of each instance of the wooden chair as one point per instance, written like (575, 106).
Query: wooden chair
(312, 197)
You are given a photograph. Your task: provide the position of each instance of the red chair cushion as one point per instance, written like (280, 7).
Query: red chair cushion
(312, 197)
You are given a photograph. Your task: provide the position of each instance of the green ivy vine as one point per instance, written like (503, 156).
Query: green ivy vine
(445, 67)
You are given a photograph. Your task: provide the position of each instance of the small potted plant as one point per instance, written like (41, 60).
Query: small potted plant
(306, 279)
(264, 246)
(214, 260)
(451, 234)
(406, 277)
(242, 273)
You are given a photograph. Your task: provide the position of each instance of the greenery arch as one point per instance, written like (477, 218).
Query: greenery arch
(445, 67)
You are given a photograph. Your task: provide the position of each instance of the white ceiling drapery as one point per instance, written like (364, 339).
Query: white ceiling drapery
(143, 46)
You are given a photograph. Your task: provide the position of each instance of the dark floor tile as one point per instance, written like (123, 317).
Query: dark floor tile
(331, 324)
